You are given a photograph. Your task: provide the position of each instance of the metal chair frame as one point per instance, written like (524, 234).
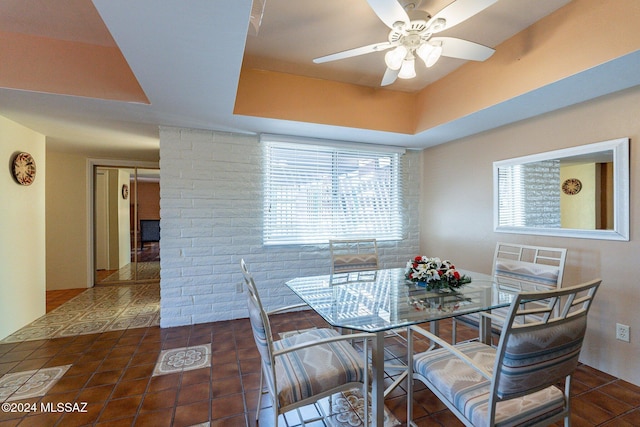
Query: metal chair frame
(565, 307)
(270, 357)
(518, 255)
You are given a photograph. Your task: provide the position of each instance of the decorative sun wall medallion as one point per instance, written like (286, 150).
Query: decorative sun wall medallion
(23, 168)
(571, 186)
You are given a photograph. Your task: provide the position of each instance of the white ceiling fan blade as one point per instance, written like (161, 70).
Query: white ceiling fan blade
(376, 47)
(458, 11)
(463, 49)
(389, 12)
(389, 77)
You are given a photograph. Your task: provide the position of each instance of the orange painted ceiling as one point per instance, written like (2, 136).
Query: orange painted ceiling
(102, 76)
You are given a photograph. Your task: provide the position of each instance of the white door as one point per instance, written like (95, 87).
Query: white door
(102, 220)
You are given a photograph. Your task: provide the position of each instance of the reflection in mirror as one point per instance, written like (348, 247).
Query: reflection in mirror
(578, 192)
(146, 220)
(126, 199)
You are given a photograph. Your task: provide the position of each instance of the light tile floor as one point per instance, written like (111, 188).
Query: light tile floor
(344, 409)
(28, 384)
(98, 309)
(139, 271)
(183, 359)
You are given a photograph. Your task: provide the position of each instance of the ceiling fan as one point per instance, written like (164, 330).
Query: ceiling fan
(411, 35)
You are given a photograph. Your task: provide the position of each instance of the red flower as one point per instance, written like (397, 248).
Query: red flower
(456, 275)
(418, 259)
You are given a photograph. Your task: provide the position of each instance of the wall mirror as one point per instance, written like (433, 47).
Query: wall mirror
(126, 225)
(574, 192)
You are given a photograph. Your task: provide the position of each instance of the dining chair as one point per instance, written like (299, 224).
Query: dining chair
(526, 380)
(353, 255)
(306, 366)
(537, 267)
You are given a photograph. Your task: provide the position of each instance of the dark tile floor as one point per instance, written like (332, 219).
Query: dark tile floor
(112, 372)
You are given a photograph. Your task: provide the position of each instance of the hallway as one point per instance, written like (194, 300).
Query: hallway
(208, 374)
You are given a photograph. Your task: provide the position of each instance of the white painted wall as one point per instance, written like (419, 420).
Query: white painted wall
(66, 219)
(101, 227)
(113, 213)
(211, 217)
(579, 210)
(22, 231)
(124, 220)
(68, 212)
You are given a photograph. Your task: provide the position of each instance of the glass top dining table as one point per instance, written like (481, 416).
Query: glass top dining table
(380, 300)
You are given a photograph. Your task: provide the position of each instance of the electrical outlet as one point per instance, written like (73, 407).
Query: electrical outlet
(622, 332)
(239, 288)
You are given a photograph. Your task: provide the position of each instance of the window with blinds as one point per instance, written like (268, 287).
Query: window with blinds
(511, 197)
(314, 193)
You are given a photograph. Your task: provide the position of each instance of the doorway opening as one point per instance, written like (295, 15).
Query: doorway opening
(126, 225)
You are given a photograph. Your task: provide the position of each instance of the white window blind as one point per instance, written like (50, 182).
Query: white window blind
(511, 197)
(315, 193)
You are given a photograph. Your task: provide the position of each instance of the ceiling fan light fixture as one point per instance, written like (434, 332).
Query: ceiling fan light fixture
(429, 53)
(394, 57)
(408, 69)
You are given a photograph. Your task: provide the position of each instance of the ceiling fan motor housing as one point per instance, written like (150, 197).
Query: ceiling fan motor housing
(413, 34)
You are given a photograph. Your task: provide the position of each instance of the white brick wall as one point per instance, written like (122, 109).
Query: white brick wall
(211, 216)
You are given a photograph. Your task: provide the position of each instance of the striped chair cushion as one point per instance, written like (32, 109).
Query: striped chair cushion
(528, 271)
(536, 356)
(465, 389)
(310, 371)
(538, 274)
(354, 262)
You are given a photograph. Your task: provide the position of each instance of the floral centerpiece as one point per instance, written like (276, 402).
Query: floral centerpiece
(435, 274)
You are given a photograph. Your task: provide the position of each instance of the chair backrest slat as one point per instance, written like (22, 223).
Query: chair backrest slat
(537, 264)
(535, 355)
(353, 255)
(259, 320)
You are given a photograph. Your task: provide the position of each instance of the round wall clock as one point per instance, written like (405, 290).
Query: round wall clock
(571, 186)
(125, 191)
(24, 168)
